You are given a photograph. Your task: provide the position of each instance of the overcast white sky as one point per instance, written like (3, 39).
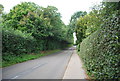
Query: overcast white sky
(65, 7)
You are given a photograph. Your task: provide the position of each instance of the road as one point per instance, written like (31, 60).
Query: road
(52, 66)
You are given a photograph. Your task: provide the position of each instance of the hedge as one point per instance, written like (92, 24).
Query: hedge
(101, 51)
(15, 43)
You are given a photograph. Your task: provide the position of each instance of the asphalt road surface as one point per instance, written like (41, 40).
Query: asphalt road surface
(52, 66)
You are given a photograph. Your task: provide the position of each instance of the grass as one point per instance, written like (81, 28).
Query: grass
(25, 57)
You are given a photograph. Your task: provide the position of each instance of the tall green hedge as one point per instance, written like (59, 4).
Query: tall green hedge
(101, 51)
(29, 28)
(15, 42)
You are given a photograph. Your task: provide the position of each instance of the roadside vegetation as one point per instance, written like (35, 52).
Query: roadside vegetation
(29, 29)
(98, 41)
(25, 57)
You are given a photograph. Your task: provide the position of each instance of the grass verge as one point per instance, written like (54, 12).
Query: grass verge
(25, 57)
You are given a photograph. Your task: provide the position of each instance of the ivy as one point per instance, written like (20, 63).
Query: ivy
(100, 50)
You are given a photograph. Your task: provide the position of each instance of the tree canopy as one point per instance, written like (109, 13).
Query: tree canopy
(29, 27)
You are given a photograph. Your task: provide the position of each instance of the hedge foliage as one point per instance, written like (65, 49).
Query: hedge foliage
(101, 50)
(30, 28)
(16, 43)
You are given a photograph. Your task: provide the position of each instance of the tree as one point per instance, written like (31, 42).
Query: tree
(29, 23)
(40, 22)
(20, 15)
(73, 21)
(75, 17)
(1, 9)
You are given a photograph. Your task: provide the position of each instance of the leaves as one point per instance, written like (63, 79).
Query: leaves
(29, 28)
(100, 49)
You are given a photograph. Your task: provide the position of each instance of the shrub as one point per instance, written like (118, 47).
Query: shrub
(15, 43)
(101, 51)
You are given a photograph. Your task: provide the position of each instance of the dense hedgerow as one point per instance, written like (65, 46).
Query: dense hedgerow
(101, 51)
(29, 28)
(100, 48)
(16, 43)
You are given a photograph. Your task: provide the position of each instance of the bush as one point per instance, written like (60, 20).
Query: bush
(30, 28)
(101, 51)
(16, 43)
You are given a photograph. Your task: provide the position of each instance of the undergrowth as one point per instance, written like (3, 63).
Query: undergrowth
(10, 60)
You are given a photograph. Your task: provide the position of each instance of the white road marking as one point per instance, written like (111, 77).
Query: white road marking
(36, 66)
(25, 72)
(15, 77)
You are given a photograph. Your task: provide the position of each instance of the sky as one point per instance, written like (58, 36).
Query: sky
(66, 7)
